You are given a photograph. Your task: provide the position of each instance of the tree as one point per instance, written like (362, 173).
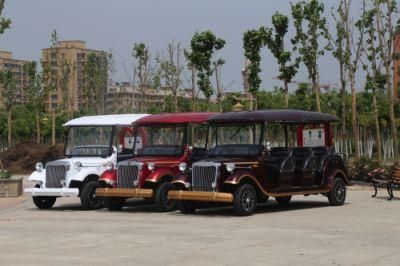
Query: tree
(384, 11)
(276, 44)
(375, 80)
(253, 41)
(143, 71)
(203, 45)
(37, 93)
(5, 23)
(96, 77)
(218, 82)
(170, 70)
(192, 82)
(310, 15)
(8, 94)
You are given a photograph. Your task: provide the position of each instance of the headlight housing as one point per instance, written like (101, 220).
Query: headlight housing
(182, 166)
(39, 166)
(77, 165)
(151, 166)
(230, 167)
(109, 166)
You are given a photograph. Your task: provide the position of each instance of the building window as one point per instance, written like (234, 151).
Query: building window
(54, 97)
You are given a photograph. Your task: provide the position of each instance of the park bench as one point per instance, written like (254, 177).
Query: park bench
(390, 181)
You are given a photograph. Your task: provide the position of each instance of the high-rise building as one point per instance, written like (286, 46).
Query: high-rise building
(66, 63)
(396, 69)
(17, 68)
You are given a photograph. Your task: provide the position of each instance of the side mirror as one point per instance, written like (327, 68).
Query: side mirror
(190, 148)
(114, 150)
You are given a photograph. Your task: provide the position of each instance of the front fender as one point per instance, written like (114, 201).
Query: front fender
(109, 177)
(38, 176)
(85, 172)
(182, 179)
(157, 174)
(237, 176)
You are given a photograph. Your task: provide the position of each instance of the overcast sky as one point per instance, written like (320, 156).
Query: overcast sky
(118, 24)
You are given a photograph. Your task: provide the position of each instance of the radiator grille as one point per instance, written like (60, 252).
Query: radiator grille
(56, 174)
(204, 175)
(127, 174)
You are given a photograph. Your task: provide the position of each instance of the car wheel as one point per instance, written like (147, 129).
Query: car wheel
(44, 202)
(186, 207)
(245, 200)
(114, 204)
(88, 196)
(283, 200)
(337, 195)
(161, 200)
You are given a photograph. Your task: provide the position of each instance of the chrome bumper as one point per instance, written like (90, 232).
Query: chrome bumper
(124, 192)
(52, 192)
(200, 196)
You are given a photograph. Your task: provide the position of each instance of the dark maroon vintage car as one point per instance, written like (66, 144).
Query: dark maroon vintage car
(253, 155)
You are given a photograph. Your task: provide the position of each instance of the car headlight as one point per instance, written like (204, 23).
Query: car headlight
(109, 166)
(151, 166)
(230, 167)
(39, 166)
(182, 167)
(77, 165)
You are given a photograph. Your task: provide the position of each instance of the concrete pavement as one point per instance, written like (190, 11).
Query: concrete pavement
(308, 232)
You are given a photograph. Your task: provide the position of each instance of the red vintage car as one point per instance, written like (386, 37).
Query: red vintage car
(257, 154)
(164, 145)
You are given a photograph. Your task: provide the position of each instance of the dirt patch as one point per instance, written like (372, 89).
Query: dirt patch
(22, 158)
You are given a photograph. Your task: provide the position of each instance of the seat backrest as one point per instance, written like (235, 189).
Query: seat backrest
(322, 152)
(301, 155)
(277, 156)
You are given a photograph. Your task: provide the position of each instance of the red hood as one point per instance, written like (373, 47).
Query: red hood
(158, 159)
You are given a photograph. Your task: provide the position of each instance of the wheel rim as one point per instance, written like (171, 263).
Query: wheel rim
(248, 200)
(340, 192)
(92, 196)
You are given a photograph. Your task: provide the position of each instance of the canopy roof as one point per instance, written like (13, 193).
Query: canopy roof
(175, 118)
(282, 116)
(105, 120)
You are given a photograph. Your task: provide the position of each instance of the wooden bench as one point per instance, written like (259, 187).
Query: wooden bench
(390, 181)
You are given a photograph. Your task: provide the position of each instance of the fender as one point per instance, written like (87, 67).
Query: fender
(333, 167)
(238, 175)
(182, 179)
(332, 176)
(157, 174)
(109, 177)
(38, 176)
(83, 173)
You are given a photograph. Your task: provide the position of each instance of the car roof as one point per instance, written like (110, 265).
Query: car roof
(105, 120)
(175, 118)
(277, 115)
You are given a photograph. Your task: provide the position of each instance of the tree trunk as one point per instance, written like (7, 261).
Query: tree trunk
(377, 127)
(393, 125)
(53, 128)
(194, 107)
(316, 91)
(251, 101)
(356, 136)
(9, 125)
(175, 99)
(343, 94)
(286, 85)
(37, 127)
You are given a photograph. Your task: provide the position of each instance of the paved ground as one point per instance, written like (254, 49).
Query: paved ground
(365, 231)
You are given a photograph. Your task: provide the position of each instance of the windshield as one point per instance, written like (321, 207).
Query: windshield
(235, 140)
(92, 141)
(160, 140)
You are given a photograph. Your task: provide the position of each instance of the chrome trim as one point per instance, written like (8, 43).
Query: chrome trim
(128, 173)
(204, 175)
(56, 173)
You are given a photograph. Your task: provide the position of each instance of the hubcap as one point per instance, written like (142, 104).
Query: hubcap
(340, 191)
(248, 200)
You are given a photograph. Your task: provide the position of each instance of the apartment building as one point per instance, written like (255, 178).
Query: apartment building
(396, 68)
(123, 96)
(7, 62)
(66, 62)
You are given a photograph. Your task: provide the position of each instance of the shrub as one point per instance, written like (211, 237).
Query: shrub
(360, 169)
(4, 174)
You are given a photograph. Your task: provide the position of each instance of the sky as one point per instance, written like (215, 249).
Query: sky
(116, 25)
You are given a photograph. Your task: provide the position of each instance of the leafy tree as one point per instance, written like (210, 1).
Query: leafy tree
(8, 94)
(5, 23)
(275, 41)
(253, 41)
(310, 15)
(203, 45)
(170, 70)
(218, 82)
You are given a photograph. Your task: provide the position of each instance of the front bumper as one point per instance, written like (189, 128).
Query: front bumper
(200, 196)
(52, 192)
(124, 192)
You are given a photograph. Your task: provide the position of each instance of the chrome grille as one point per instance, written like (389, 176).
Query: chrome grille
(204, 174)
(56, 174)
(127, 174)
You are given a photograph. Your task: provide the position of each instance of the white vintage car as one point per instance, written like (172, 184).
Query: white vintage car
(93, 145)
